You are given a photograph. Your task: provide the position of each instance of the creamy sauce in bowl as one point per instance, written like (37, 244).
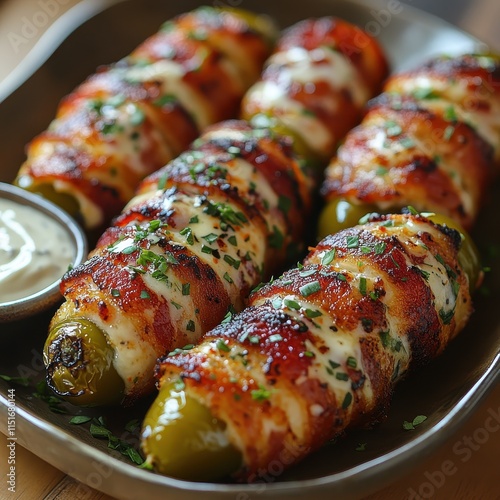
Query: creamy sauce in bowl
(38, 243)
(35, 250)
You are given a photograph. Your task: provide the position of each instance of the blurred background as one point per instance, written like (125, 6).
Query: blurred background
(478, 17)
(23, 23)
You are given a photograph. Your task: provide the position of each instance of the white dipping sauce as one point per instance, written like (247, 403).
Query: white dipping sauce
(35, 250)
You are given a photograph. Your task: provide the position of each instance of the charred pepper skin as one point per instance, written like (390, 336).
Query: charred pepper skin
(79, 364)
(131, 118)
(314, 353)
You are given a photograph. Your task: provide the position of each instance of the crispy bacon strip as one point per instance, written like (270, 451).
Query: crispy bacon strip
(431, 140)
(131, 118)
(320, 349)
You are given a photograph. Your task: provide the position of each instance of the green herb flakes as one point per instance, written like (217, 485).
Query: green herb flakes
(310, 288)
(291, 304)
(80, 419)
(410, 426)
(260, 394)
(328, 257)
(222, 346)
(353, 241)
(347, 401)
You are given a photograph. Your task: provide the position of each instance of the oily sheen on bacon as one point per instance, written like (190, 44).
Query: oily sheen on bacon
(201, 234)
(316, 83)
(236, 206)
(131, 118)
(431, 140)
(320, 349)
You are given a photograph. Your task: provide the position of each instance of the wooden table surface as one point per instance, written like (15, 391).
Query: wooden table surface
(475, 475)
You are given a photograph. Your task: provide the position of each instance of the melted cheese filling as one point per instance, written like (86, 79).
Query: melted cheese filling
(171, 75)
(294, 115)
(322, 64)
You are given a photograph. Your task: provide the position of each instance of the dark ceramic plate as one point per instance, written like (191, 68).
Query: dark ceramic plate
(447, 391)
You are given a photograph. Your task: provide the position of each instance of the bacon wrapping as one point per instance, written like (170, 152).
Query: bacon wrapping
(199, 235)
(204, 230)
(316, 84)
(316, 352)
(131, 118)
(431, 140)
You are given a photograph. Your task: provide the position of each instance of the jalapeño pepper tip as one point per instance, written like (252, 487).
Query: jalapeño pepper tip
(181, 438)
(79, 364)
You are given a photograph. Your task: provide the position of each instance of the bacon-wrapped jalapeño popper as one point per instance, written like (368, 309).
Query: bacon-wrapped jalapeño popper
(131, 118)
(431, 140)
(201, 233)
(316, 84)
(204, 230)
(316, 352)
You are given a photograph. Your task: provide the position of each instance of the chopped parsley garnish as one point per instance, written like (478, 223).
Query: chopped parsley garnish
(275, 337)
(164, 100)
(446, 316)
(137, 116)
(99, 430)
(362, 285)
(232, 261)
(425, 93)
(211, 238)
(225, 212)
(261, 394)
(284, 204)
(392, 128)
(291, 304)
(352, 362)
(188, 233)
(80, 419)
(277, 303)
(206, 249)
(328, 257)
(190, 326)
(347, 401)
(222, 346)
(313, 313)
(409, 426)
(276, 238)
(186, 288)
(310, 288)
(352, 241)
(450, 114)
(448, 132)
(407, 142)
